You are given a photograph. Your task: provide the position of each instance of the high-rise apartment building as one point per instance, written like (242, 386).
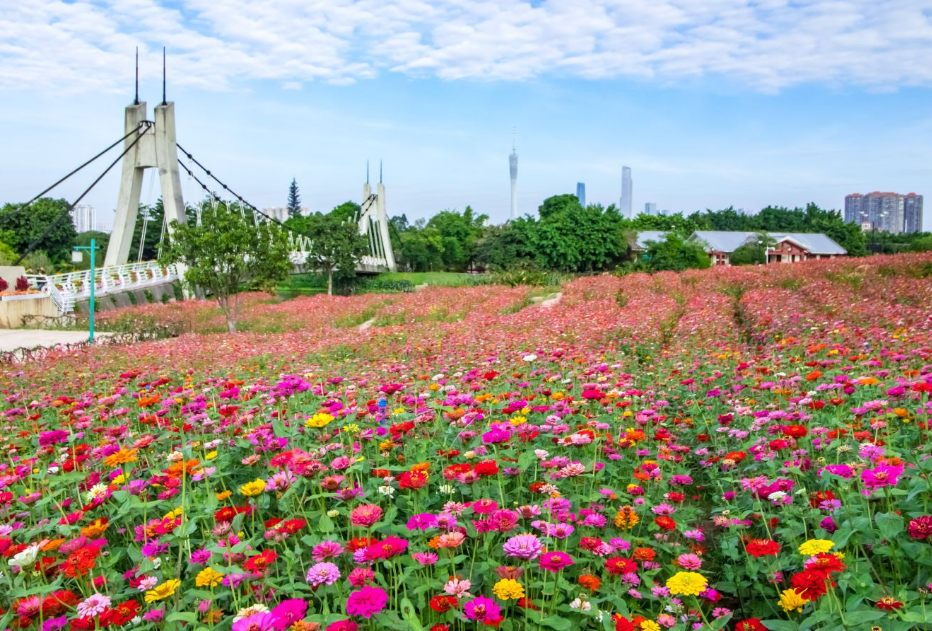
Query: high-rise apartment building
(888, 212)
(627, 192)
(85, 218)
(581, 193)
(912, 213)
(650, 208)
(513, 167)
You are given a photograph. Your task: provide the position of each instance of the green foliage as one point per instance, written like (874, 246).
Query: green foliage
(294, 199)
(754, 252)
(347, 211)
(24, 226)
(228, 253)
(38, 262)
(101, 240)
(422, 249)
(459, 234)
(336, 246)
(923, 244)
(676, 254)
(7, 253)
(571, 238)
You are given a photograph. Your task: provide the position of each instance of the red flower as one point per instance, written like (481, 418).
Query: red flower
(259, 563)
(762, 547)
(811, 583)
(665, 523)
(622, 623)
(751, 624)
(620, 565)
(888, 603)
(795, 431)
(921, 527)
(444, 603)
(487, 467)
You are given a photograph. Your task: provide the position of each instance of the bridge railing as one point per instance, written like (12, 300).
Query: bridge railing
(67, 289)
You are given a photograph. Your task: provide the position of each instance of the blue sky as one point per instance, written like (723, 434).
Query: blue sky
(712, 103)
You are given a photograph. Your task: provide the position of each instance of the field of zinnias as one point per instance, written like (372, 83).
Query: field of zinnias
(727, 449)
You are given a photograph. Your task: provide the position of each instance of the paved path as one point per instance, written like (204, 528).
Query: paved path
(546, 304)
(11, 339)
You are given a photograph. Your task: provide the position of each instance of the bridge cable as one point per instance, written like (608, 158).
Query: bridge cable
(67, 213)
(33, 200)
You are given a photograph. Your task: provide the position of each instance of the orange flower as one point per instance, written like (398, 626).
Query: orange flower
(120, 458)
(96, 528)
(590, 582)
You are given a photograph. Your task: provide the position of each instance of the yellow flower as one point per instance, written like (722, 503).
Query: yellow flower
(791, 599)
(321, 419)
(223, 495)
(173, 514)
(518, 420)
(650, 625)
(163, 591)
(208, 577)
(120, 479)
(816, 546)
(211, 455)
(253, 488)
(352, 429)
(508, 589)
(686, 584)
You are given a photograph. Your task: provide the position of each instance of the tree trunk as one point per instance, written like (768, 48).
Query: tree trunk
(330, 282)
(231, 325)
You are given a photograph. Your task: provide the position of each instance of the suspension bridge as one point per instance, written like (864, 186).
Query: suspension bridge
(152, 145)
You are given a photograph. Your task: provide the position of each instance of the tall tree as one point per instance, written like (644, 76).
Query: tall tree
(228, 253)
(676, 254)
(294, 199)
(347, 211)
(336, 245)
(46, 217)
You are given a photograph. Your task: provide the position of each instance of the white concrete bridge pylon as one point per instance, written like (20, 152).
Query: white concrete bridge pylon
(156, 149)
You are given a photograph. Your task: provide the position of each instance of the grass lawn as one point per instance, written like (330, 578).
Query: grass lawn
(442, 279)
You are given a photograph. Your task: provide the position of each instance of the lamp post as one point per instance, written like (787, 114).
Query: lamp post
(77, 257)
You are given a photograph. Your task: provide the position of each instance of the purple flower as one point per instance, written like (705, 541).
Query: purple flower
(523, 546)
(256, 622)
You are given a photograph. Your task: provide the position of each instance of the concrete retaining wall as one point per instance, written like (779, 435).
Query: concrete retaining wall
(12, 311)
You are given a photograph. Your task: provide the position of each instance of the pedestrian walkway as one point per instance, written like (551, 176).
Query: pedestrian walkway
(11, 339)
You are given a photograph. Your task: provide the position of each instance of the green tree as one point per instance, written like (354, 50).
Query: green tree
(7, 253)
(422, 248)
(336, 245)
(754, 252)
(569, 237)
(227, 253)
(508, 246)
(460, 233)
(676, 254)
(347, 211)
(294, 199)
(29, 224)
(922, 244)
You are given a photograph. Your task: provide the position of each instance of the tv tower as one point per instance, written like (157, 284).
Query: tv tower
(513, 163)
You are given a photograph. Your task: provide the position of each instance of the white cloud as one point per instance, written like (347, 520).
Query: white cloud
(86, 45)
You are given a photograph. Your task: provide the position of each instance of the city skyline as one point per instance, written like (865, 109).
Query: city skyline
(706, 124)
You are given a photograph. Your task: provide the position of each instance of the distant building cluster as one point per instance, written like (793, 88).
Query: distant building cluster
(627, 193)
(887, 212)
(650, 208)
(788, 247)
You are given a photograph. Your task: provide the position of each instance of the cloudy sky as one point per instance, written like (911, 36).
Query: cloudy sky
(711, 102)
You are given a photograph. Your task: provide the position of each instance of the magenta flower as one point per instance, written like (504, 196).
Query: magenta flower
(288, 612)
(366, 602)
(555, 561)
(482, 609)
(327, 550)
(366, 515)
(425, 558)
(256, 622)
(880, 476)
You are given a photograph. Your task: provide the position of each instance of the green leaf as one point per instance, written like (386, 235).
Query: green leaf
(864, 615)
(780, 625)
(890, 524)
(183, 616)
(558, 623)
(409, 613)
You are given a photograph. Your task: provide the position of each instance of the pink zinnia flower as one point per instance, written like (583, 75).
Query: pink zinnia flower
(555, 561)
(689, 561)
(366, 602)
(288, 612)
(323, 574)
(366, 515)
(523, 546)
(880, 476)
(327, 550)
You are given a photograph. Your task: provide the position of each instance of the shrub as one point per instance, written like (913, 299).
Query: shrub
(22, 284)
(4, 285)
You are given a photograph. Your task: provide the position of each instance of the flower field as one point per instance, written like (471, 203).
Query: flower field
(742, 448)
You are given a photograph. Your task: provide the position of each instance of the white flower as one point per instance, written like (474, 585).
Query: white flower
(541, 453)
(530, 358)
(245, 612)
(96, 490)
(387, 490)
(446, 488)
(26, 557)
(333, 513)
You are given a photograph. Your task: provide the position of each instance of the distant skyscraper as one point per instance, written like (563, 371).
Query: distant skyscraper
(888, 212)
(650, 208)
(627, 192)
(581, 193)
(513, 164)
